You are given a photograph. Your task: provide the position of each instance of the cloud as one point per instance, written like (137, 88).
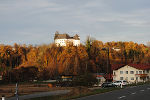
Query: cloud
(29, 7)
(106, 20)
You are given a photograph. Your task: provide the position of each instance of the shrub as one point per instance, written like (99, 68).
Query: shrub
(86, 79)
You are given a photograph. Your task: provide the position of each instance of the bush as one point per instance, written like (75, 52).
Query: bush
(23, 74)
(86, 79)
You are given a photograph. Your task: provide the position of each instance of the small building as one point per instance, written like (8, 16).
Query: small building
(100, 77)
(64, 39)
(131, 72)
(67, 77)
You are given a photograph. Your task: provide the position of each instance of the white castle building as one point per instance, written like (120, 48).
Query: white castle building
(64, 39)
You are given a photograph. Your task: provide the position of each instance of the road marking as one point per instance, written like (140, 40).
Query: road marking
(133, 93)
(133, 87)
(142, 90)
(148, 88)
(121, 97)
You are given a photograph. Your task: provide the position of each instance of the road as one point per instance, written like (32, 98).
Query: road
(42, 94)
(129, 93)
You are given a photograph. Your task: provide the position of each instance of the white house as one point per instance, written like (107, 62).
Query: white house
(64, 39)
(131, 72)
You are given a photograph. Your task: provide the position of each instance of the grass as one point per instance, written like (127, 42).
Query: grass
(27, 88)
(79, 92)
(76, 93)
(139, 83)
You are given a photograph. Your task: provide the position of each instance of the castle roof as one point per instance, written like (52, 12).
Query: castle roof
(66, 36)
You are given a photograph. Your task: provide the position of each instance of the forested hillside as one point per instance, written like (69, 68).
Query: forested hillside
(48, 61)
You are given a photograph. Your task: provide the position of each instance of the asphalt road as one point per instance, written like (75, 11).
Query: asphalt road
(129, 93)
(42, 94)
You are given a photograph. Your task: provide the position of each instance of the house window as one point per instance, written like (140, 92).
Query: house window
(140, 72)
(143, 72)
(126, 72)
(136, 72)
(131, 72)
(147, 71)
(114, 73)
(137, 78)
(132, 78)
(121, 78)
(121, 72)
(141, 78)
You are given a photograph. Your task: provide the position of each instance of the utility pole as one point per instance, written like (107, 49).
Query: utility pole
(10, 64)
(108, 70)
(108, 64)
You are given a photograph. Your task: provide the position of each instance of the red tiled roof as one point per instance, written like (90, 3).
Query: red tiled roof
(117, 66)
(99, 75)
(137, 66)
(140, 66)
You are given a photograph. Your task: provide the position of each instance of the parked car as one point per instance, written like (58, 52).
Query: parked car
(118, 83)
(97, 85)
(108, 84)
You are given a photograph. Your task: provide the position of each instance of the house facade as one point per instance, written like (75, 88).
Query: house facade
(65, 39)
(132, 73)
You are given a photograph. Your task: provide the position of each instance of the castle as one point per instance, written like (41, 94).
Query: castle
(64, 39)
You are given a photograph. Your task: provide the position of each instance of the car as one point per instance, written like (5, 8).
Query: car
(108, 84)
(97, 85)
(120, 82)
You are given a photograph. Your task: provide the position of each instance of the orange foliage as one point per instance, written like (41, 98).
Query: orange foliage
(72, 59)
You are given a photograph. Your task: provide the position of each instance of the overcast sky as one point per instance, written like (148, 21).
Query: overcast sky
(35, 21)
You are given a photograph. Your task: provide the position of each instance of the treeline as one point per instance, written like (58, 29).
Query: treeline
(50, 61)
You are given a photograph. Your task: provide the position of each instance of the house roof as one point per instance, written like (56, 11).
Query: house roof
(117, 66)
(66, 36)
(140, 66)
(137, 66)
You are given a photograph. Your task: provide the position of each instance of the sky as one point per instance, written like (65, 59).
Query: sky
(36, 21)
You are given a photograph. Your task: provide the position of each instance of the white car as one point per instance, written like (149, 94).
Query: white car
(118, 83)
